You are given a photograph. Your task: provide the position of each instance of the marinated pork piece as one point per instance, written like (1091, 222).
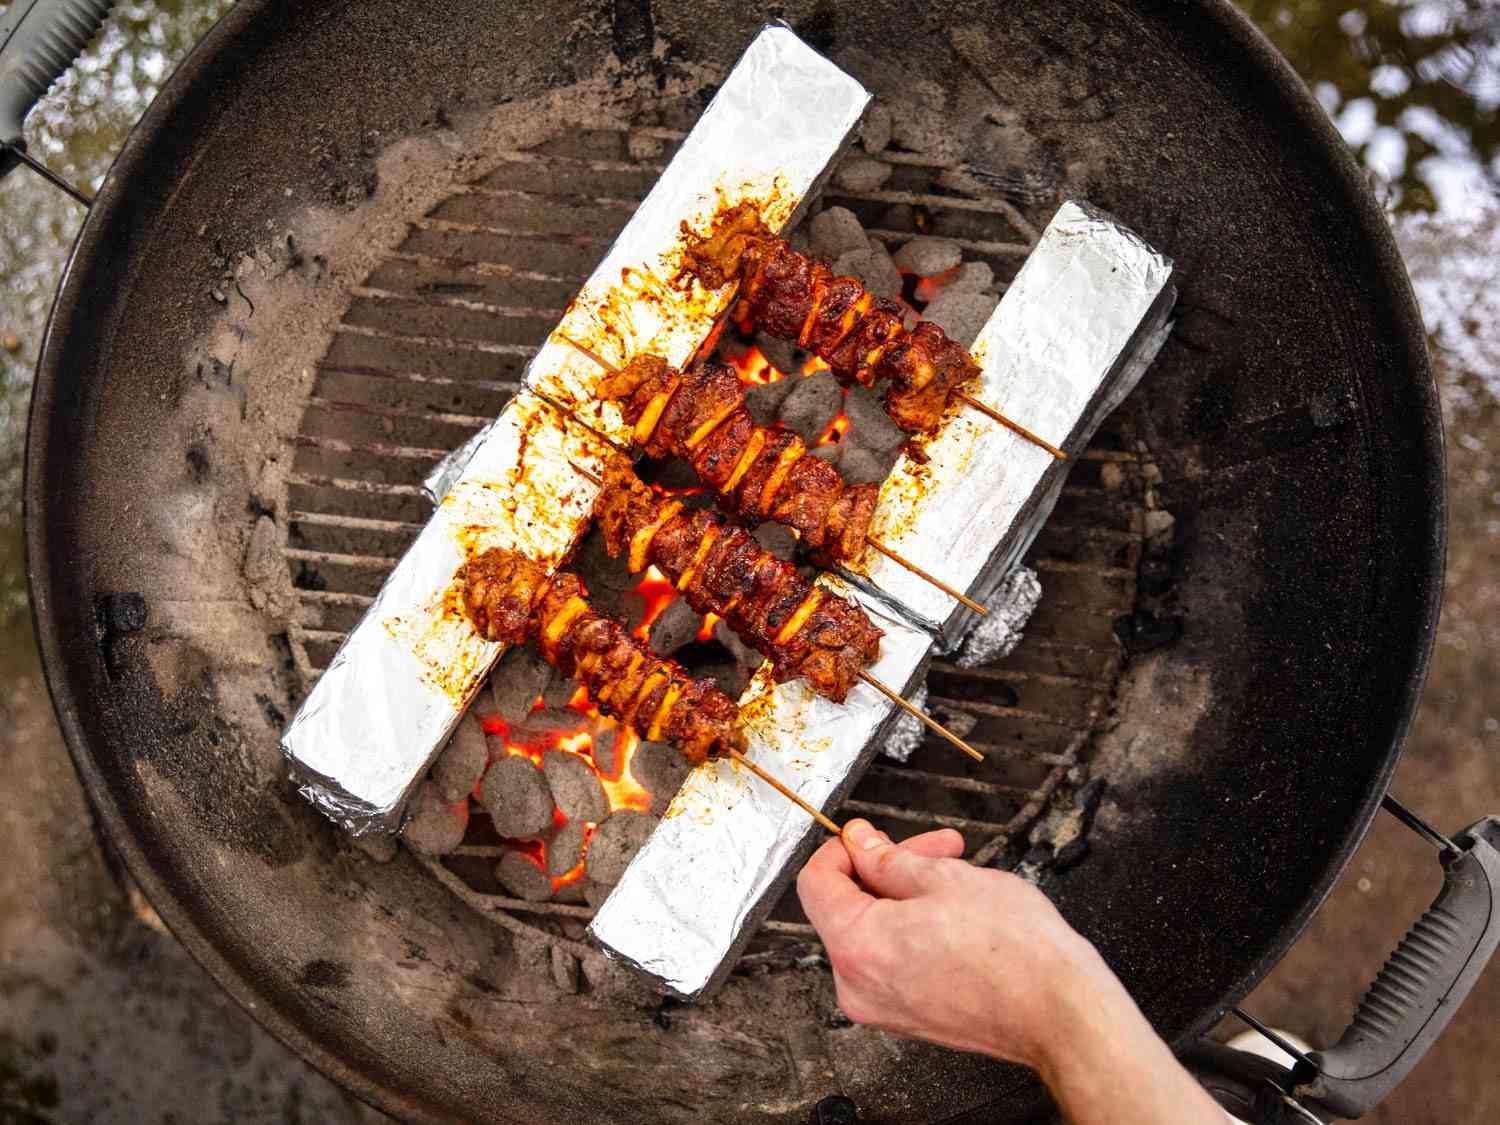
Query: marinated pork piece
(720, 568)
(760, 473)
(511, 600)
(862, 338)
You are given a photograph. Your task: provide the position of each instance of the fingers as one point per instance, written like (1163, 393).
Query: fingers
(887, 870)
(830, 897)
(944, 843)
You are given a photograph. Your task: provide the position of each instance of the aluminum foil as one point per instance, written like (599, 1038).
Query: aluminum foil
(1075, 331)
(1010, 608)
(397, 686)
(713, 868)
(388, 701)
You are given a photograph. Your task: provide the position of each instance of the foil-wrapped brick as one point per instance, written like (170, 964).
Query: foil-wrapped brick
(398, 685)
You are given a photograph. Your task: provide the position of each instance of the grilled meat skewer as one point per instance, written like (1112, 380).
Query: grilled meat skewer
(803, 630)
(511, 599)
(759, 473)
(862, 338)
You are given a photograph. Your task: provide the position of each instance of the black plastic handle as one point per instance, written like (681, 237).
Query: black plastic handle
(1416, 994)
(39, 39)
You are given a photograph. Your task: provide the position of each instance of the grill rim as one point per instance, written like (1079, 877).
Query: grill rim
(61, 381)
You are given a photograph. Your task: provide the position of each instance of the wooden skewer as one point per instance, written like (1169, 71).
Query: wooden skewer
(881, 547)
(920, 573)
(593, 476)
(785, 792)
(1016, 427)
(919, 713)
(869, 679)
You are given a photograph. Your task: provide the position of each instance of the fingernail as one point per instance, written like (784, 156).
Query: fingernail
(864, 835)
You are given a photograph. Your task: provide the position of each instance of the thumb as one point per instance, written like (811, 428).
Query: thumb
(885, 869)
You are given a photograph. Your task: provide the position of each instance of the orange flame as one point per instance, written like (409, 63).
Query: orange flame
(754, 367)
(706, 630)
(659, 593)
(930, 287)
(835, 431)
(813, 364)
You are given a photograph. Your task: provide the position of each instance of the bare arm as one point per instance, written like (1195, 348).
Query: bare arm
(928, 946)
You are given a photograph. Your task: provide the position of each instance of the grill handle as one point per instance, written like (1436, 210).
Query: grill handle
(1417, 993)
(39, 39)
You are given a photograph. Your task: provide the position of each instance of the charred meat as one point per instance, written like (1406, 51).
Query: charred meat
(758, 473)
(862, 338)
(803, 630)
(512, 600)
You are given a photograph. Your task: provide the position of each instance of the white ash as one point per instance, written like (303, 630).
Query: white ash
(575, 786)
(975, 277)
(461, 764)
(928, 257)
(956, 719)
(926, 129)
(644, 147)
(565, 848)
(875, 130)
(763, 400)
(812, 406)
(1010, 606)
(677, 626)
(377, 845)
(436, 826)
(615, 843)
(516, 795)
(264, 569)
(661, 769)
(961, 313)
(834, 232)
(564, 968)
(861, 173)
(523, 878)
(874, 268)
(908, 732)
(868, 421)
(1159, 525)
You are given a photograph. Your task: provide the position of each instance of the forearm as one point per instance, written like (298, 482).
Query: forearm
(1105, 1065)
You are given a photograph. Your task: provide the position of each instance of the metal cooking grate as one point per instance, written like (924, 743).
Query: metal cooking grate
(433, 345)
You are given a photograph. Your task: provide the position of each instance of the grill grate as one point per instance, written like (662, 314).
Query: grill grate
(432, 346)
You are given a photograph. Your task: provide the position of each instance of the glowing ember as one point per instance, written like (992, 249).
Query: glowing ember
(930, 287)
(754, 367)
(813, 364)
(659, 593)
(835, 431)
(706, 630)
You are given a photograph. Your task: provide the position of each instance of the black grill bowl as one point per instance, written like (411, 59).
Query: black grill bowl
(1293, 417)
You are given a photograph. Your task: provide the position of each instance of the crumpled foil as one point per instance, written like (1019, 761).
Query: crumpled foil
(1010, 606)
(712, 869)
(1073, 334)
(394, 691)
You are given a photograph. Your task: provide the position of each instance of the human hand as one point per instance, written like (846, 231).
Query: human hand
(928, 946)
(931, 947)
